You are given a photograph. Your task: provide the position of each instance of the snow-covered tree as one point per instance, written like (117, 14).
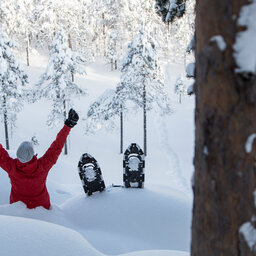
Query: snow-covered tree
(118, 24)
(16, 21)
(57, 82)
(190, 68)
(112, 54)
(179, 87)
(180, 32)
(102, 111)
(170, 9)
(12, 78)
(45, 22)
(142, 79)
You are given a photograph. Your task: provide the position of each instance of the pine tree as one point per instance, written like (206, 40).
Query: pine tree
(224, 180)
(179, 87)
(118, 25)
(12, 79)
(45, 22)
(102, 112)
(170, 9)
(57, 82)
(142, 80)
(16, 21)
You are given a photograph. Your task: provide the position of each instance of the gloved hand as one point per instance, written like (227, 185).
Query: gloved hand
(72, 118)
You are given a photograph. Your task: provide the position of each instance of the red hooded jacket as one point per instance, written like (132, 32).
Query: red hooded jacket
(29, 179)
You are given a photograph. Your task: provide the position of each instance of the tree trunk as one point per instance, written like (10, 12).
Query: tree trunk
(104, 34)
(6, 124)
(65, 116)
(27, 50)
(70, 46)
(145, 119)
(112, 64)
(121, 132)
(69, 41)
(224, 179)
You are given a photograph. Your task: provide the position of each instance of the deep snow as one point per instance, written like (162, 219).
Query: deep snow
(133, 221)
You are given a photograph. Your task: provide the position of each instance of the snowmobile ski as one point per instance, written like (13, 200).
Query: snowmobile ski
(133, 167)
(90, 174)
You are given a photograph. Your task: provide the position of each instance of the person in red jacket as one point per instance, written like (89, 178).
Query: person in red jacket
(28, 173)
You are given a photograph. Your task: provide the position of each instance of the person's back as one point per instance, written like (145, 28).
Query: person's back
(28, 174)
(28, 183)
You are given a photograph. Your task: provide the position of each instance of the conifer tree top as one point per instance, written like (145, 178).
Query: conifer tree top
(170, 9)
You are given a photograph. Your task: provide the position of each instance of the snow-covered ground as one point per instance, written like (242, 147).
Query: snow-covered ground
(133, 222)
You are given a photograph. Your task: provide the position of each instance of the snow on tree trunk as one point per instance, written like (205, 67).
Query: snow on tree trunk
(224, 179)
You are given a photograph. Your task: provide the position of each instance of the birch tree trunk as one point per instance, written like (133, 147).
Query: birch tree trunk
(224, 179)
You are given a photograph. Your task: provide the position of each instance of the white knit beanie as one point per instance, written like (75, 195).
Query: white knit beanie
(25, 152)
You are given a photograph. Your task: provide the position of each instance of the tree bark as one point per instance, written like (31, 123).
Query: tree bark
(224, 179)
(6, 124)
(70, 46)
(27, 51)
(121, 132)
(145, 118)
(112, 64)
(104, 34)
(65, 116)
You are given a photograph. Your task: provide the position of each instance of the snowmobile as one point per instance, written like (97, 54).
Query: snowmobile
(90, 174)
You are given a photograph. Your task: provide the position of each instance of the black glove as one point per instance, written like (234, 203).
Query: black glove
(72, 118)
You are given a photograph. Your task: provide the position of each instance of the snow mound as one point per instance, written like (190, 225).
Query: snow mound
(158, 253)
(21, 236)
(139, 219)
(149, 219)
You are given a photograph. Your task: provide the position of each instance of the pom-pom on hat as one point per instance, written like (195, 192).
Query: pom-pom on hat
(25, 152)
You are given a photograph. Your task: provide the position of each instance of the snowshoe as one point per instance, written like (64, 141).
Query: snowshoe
(90, 174)
(133, 167)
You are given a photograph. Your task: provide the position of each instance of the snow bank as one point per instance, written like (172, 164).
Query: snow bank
(21, 236)
(139, 219)
(157, 253)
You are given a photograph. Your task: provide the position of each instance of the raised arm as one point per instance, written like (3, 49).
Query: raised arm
(51, 155)
(5, 159)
